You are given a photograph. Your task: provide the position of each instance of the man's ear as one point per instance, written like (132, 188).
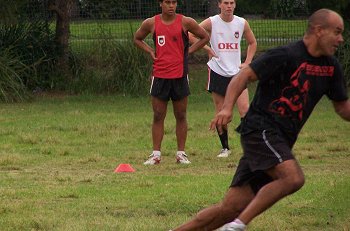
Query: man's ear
(318, 30)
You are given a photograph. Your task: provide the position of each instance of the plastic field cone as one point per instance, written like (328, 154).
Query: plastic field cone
(124, 168)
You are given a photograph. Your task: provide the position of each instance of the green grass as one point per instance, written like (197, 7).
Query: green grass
(58, 155)
(270, 28)
(272, 32)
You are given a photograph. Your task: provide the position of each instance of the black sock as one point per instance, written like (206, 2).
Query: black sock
(223, 138)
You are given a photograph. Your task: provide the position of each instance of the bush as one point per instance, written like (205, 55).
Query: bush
(32, 43)
(343, 55)
(132, 69)
(113, 67)
(12, 88)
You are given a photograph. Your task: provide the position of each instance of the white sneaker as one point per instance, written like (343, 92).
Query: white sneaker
(152, 159)
(181, 158)
(224, 152)
(233, 226)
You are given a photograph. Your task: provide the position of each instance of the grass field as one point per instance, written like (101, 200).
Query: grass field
(58, 154)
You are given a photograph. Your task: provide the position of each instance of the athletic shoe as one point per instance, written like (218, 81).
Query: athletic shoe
(152, 160)
(181, 158)
(224, 152)
(233, 226)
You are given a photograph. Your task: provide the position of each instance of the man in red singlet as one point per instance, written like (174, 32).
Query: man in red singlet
(170, 69)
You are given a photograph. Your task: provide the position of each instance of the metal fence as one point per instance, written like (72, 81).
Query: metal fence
(92, 24)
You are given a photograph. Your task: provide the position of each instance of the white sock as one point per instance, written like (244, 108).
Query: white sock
(238, 221)
(156, 153)
(179, 152)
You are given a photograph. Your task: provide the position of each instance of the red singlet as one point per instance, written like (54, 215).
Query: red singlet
(171, 44)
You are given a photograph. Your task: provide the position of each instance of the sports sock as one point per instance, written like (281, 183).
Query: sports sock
(238, 221)
(156, 153)
(223, 138)
(179, 152)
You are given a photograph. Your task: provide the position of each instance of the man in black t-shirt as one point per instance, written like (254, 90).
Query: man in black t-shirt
(292, 79)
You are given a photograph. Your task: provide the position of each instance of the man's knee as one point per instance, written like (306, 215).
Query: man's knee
(180, 116)
(158, 116)
(290, 175)
(230, 211)
(296, 182)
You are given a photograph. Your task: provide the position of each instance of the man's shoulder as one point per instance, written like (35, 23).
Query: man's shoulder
(239, 18)
(150, 20)
(293, 48)
(214, 18)
(184, 18)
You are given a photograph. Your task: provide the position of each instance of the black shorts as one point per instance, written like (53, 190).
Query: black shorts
(261, 151)
(174, 89)
(217, 83)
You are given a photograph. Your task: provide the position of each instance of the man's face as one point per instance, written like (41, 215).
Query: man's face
(332, 35)
(169, 6)
(227, 6)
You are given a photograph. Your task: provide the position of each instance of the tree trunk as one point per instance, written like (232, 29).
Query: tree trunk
(63, 9)
(213, 8)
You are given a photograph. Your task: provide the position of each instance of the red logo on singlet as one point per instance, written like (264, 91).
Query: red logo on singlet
(161, 40)
(228, 46)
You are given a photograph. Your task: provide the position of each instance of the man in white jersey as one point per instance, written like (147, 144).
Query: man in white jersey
(226, 31)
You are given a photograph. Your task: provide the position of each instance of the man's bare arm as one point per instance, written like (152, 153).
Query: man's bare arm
(234, 90)
(145, 29)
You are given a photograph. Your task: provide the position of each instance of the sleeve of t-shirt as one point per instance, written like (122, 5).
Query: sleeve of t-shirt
(337, 90)
(270, 64)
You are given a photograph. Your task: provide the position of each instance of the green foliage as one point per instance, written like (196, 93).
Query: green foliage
(336, 5)
(132, 69)
(112, 66)
(33, 44)
(245, 7)
(286, 8)
(343, 55)
(9, 10)
(26, 57)
(116, 9)
(12, 88)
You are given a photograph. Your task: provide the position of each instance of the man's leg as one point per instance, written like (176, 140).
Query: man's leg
(287, 179)
(236, 199)
(159, 112)
(243, 103)
(180, 108)
(223, 135)
(241, 203)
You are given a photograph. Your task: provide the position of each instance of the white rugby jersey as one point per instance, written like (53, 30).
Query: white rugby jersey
(225, 40)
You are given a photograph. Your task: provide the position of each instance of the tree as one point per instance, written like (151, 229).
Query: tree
(9, 11)
(63, 11)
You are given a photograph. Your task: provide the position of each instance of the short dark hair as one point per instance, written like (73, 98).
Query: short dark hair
(319, 18)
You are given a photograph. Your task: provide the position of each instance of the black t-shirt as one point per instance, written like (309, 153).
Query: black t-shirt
(291, 82)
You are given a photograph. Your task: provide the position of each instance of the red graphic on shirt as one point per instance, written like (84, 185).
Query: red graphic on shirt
(294, 97)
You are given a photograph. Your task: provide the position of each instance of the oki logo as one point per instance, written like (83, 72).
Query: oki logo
(228, 46)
